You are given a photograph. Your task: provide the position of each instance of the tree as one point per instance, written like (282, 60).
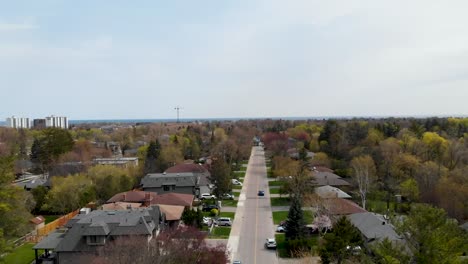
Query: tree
(338, 245)
(295, 224)
(110, 180)
(431, 236)
(51, 143)
(193, 218)
(364, 175)
(388, 252)
(410, 190)
(152, 153)
(15, 205)
(39, 193)
(173, 245)
(220, 176)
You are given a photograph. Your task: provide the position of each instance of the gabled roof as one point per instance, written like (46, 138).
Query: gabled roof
(174, 199)
(157, 180)
(37, 220)
(142, 221)
(322, 178)
(120, 206)
(187, 167)
(339, 206)
(132, 196)
(373, 226)
(328, 191)
(172, 212)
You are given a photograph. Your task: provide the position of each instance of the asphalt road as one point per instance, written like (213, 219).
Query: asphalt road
(253, 222)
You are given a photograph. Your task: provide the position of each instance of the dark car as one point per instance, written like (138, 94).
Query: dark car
(209, 207)
(261, 193)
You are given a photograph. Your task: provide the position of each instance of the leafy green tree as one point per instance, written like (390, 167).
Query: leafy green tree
(220, 176)
(388, 252)
(49, 145)
(110, 180)
(295, 224)
(152, 153)
(431, 236)
(69, 193)
(39, 193)
(193, 217)
(15, 205)
(339, 245)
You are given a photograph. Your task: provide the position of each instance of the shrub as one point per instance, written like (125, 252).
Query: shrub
(214, 212)
(296, 247)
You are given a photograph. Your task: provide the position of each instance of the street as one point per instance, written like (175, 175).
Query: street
(253, 222)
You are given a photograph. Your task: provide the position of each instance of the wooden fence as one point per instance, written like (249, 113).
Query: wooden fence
(38, 235)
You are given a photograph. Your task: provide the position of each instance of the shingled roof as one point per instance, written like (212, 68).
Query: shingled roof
(157, 180)
(133, 197)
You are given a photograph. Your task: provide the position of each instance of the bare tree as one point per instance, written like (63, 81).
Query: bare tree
(175, 245)
(364, 175)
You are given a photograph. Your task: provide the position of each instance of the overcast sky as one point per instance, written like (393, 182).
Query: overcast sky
(140, 59)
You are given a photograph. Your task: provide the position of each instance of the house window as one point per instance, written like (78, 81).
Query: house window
(167, 188)
(96, 240)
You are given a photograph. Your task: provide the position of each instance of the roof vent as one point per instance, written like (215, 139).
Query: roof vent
(383, 222)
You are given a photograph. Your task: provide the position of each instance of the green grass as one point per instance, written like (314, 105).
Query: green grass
(274, 190)
(21, 255)
(238, 174)
(50, 218)
(283, 215)
(379, 206)
(281, 245)
(227, 214)
(220, 232)
(269, 172)
(238, 187)
(230, 203)
(283, 201)
(276, 183)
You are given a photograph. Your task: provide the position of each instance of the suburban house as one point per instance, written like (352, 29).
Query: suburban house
(328, 191)
(187, 182)
(340, 207)
(119, 162)
(322, 178)
(171, 204)
(86, 234)
(374, 227)
(198, 169)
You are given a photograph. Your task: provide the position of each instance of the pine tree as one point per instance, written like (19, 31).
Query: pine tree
(152, 154)
(295, 224)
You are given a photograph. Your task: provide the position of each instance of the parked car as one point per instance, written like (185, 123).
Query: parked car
(224, 221)
(236, 182)
(270, 243)
(209, 207)
(227, 196)
(261, 193)
(207, 221)
(281, 229)
(236, 262)
(204, 196)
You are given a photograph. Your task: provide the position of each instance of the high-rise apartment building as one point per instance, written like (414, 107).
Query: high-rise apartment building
(56, 121)
(18, 122)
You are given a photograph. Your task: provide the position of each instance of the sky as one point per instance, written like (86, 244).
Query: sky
(113, 59)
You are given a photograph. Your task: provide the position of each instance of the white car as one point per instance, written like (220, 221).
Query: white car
(227, 196)
(224, 221)
(207, 220)
(270, 243)
(236, 182)
(280, 229)
(204, 196)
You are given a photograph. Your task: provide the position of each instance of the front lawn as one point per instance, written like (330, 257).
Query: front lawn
(276, 183)
(283, 215)
(236, 187)
(230, 203)
(277, 201)
(220, 232)
(274, 190)
(237, 174)
(227, 214)
(281, 245)
(21, 255)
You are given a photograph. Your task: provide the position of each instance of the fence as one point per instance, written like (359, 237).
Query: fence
(37, 236)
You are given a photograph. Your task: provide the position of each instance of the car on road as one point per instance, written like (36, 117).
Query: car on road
(236, 182)
(209, 207)
(236, 262)
(270, 243)
(224, 221)
(227, 196)
(204, 196)
(261, 193)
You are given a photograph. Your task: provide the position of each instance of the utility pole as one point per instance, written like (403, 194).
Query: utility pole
(177, 108)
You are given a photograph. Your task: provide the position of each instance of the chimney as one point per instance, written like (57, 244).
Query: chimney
(124, 196)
